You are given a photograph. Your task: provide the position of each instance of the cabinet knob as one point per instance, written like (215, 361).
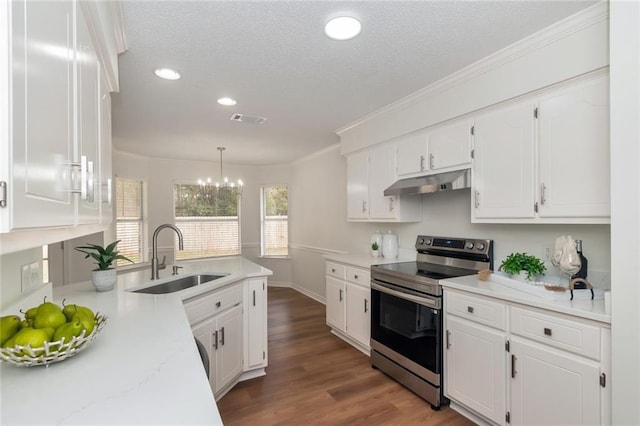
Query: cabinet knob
(470, 309)
(218, 304)
(355, 277)
(547, 331)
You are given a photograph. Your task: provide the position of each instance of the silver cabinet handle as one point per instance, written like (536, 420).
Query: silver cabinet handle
(3, 197)
(543, 198)
(448, 335)
(364, 206)
(366, 307)
(254, 298)
(431, 161)
(91, 184)
(215, 340)
(477, 199)
(222, 336)
(83, 177)
(340, 297)
(391, 203)
(421, 162)
(513, 366)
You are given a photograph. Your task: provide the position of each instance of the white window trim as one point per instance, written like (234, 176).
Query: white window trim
(262, 224)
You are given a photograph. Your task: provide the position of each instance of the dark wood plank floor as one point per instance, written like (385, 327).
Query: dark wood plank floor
(315, 378)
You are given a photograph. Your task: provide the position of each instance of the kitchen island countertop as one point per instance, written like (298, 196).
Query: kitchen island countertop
(144, 367)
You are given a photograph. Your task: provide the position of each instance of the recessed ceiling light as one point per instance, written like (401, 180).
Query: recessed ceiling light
(167, 73)
(342, 28)
(227, 101)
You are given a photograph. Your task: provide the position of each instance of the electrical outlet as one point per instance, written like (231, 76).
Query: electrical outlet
(35, 278)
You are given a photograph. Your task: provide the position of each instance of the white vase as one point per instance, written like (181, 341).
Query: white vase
(375, 253)
(104, 280)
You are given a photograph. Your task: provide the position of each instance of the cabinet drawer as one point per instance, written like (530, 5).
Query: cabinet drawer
(201, 307)
(336, 270)
(359, 276)
(572, 336)
(476, 308)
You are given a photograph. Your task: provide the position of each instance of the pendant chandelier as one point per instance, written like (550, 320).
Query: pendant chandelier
(224, 181)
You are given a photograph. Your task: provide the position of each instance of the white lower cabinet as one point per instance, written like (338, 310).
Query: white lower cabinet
(255, 313)
(476, 367)
(348, 301)
(231, 323)
(222, 337)
(552, 387)
(530, 367)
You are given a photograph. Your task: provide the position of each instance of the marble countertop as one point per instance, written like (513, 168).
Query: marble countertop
(143, 368)
(364, 260)
(589, 309)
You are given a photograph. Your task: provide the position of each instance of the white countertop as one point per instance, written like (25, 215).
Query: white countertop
(365, 260)
(143, 368)
(590, 309)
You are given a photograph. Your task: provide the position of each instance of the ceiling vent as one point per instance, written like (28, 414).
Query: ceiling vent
(251, 119)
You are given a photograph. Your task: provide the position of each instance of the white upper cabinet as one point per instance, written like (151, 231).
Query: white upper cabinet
(502, 172)
(545, 160)
(41, 116)
(439, 149)
(449, 147)
(574, 151)
(88, 136)
(57, 138)
(412, 153)
(369, 173)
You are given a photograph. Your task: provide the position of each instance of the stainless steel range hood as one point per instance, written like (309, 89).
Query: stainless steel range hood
(448, 181)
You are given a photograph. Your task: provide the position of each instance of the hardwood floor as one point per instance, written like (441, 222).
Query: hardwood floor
(315, 378)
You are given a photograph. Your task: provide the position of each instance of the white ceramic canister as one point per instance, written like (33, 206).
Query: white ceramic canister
(377, 238)
(390, 245)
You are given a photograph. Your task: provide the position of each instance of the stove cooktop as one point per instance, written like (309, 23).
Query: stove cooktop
(425, 270)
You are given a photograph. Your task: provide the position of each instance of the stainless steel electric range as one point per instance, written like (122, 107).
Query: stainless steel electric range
(406, 310)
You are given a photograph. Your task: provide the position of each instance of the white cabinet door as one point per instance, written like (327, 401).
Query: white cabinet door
(551, 387)
(229, 353)
(105, 179)
(88, 142)
(502, 170)
(574, 151)
(358, 186)
(358, 320)
(255, 324)
(335, 304)
(476, 367)
(382, 174)
(42, 114)
(205, 333)
(450, 146)
(412, 153)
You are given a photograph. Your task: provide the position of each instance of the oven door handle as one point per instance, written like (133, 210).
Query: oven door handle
(421, 300)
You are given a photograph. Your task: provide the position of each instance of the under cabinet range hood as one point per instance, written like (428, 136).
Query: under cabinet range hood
(448, 181)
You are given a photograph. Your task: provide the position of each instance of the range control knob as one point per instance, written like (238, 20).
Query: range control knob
(468, 245)
(480, 246)
(428, 241)
(421, 241)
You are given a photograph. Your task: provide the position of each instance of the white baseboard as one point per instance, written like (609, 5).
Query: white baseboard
(308, 293)
(278, 284)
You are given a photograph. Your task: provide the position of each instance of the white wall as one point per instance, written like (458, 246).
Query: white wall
(625, 210)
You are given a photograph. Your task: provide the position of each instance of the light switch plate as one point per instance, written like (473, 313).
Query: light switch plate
(25, 278)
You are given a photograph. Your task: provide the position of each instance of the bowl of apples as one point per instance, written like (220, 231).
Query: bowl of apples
(48, 333)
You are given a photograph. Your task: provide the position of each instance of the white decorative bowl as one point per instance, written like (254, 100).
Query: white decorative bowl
(51, 351)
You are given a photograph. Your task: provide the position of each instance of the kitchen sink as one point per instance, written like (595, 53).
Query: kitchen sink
(180, 284)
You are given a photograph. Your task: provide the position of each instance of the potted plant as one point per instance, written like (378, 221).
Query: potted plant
(528, 265)
(374, 249)
(104, 276)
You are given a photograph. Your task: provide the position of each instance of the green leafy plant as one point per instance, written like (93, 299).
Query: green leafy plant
(374, 246)
(516, 262)
(103, 257)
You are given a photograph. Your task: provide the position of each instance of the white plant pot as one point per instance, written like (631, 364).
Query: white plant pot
(375, 253)
(104, 280)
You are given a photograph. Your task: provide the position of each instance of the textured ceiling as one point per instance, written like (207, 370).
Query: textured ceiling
(274, 59)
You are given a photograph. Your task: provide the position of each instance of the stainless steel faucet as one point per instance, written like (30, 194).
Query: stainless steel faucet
(154, 248)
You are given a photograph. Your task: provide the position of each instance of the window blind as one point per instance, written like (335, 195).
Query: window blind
(274, 220)
(130, 220)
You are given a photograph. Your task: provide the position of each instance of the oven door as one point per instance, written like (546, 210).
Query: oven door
(406, 326)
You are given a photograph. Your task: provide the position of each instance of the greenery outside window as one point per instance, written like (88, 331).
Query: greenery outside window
(131, 226)
(209, 219)
(274, 220)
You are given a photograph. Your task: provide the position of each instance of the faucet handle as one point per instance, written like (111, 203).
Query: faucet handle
(175, 269)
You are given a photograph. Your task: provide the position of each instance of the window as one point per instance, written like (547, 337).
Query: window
(209, 219)
(274, 220)
(130, 220)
